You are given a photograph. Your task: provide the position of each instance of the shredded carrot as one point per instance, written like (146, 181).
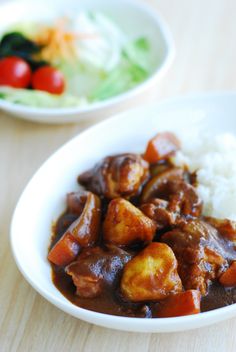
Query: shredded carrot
(58, 42)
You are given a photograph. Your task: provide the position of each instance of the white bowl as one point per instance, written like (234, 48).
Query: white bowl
(43, 200)
(136, 19)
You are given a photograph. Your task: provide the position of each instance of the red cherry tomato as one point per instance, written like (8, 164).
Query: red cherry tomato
(48, 79)
(14, 72)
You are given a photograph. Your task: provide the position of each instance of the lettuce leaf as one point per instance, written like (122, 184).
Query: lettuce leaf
(133, 69)
(41, 99)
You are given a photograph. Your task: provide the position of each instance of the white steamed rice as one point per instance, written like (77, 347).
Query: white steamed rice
(214, 159)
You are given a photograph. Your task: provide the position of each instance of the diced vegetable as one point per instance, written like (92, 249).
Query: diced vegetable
(64, 251)
(151, 275)
(86, 228)
(158, 185)
(83, 232)
(126, 225)
(228, 278)
(48, 79)
(161, 147)
(183, 303)
(14, 72)
(76, 201)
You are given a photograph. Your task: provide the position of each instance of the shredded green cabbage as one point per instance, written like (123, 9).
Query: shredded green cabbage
(41, 99)
(133, 69)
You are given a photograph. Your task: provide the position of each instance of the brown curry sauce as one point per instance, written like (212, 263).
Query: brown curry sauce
(110, 302)
(175, 216)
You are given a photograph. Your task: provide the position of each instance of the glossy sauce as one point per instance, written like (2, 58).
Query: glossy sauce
(110, 301)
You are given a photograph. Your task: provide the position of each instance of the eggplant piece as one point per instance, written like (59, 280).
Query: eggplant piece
(158, 186)
(83, 232)
(76, 201)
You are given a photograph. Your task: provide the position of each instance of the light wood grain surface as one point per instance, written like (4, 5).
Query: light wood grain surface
(204, 33)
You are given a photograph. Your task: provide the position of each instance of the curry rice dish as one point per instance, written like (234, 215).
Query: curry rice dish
(138, 241)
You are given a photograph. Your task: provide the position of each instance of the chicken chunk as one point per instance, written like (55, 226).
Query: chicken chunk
(151, 275)
(117, 176)
(183, 199)
(202, 254)
(183, 202)
(226, 227)
(97, 268)
(158, 210)
(126, 225)
(83, 232)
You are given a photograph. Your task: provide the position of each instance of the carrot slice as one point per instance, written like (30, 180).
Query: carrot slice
(184, 303)
(161, 146)
(83, 232)
(228, 278)
(64, 251)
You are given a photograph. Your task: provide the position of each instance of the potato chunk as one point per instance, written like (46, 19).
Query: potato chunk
(151, 275)
(125, 224)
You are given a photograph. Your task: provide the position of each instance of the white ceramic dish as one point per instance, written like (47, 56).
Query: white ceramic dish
(44, 197)
(134, 17)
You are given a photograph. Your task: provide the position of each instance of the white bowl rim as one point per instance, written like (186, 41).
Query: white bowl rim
(157, 325)
(157, 74)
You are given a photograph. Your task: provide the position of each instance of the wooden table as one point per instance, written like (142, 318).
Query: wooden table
(204, 33)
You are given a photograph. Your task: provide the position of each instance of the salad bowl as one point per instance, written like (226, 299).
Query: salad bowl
(128, 15)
